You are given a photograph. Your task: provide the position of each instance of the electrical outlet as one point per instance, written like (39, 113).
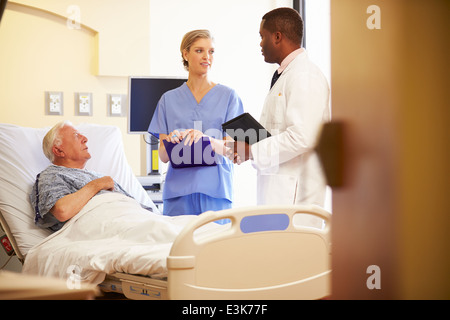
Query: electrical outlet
(53, 103)
(116, 105)
(83, 104)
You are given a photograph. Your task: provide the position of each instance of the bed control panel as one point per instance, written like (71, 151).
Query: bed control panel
(139, 291)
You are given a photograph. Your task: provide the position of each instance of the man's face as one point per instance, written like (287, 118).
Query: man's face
(267, 44)
(73, 144)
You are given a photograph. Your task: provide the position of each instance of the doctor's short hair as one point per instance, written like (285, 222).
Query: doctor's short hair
(287, 21)
(189, 39)
(53, 138)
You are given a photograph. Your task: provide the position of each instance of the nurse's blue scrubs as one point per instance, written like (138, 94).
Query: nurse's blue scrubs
(194, 190)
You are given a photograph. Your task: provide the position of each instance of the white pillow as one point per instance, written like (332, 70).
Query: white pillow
(22, 158)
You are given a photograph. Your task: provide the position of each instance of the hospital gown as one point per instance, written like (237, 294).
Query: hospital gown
(54, 183)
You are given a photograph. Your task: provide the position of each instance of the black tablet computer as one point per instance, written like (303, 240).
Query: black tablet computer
(245, 128)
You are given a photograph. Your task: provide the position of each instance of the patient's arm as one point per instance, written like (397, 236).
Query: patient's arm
(68, 206)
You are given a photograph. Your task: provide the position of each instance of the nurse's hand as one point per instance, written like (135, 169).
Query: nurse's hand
(175, 136)
(191, 136)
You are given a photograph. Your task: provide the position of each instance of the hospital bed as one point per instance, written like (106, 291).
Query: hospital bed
(224, 262)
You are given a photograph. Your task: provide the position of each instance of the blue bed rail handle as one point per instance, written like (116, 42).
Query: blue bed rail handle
(265, 222)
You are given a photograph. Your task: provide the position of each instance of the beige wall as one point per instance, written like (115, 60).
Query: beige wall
(39, 53)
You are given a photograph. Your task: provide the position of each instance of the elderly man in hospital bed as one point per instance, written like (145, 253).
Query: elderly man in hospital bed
(95, 222)
(64, 188)
(114, 237)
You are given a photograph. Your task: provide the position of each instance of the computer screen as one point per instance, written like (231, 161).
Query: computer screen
(144, 94)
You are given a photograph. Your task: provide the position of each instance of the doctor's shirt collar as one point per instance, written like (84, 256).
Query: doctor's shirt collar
(289, 59)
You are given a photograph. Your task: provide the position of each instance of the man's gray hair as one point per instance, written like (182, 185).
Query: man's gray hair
(52, 138)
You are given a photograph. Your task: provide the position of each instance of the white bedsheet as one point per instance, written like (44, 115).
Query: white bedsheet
(112, 233)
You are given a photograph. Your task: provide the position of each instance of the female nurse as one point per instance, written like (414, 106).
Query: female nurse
(191, 112)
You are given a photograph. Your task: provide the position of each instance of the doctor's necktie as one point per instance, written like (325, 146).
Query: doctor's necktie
(275, 77)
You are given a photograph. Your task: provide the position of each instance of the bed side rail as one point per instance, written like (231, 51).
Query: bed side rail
(186, 243)
(288, 262)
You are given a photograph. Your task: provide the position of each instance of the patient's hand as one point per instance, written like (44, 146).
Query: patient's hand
(69, 205)
(104, 183)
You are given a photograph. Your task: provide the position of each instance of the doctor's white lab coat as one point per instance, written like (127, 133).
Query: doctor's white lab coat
(288, 171)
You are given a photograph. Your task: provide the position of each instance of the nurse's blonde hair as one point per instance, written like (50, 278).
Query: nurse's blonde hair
(188, 39)
(52, 138)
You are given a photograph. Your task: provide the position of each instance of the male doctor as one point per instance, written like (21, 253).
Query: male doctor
(288, 171)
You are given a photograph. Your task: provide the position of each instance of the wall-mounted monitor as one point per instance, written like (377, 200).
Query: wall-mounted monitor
(144, 94)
